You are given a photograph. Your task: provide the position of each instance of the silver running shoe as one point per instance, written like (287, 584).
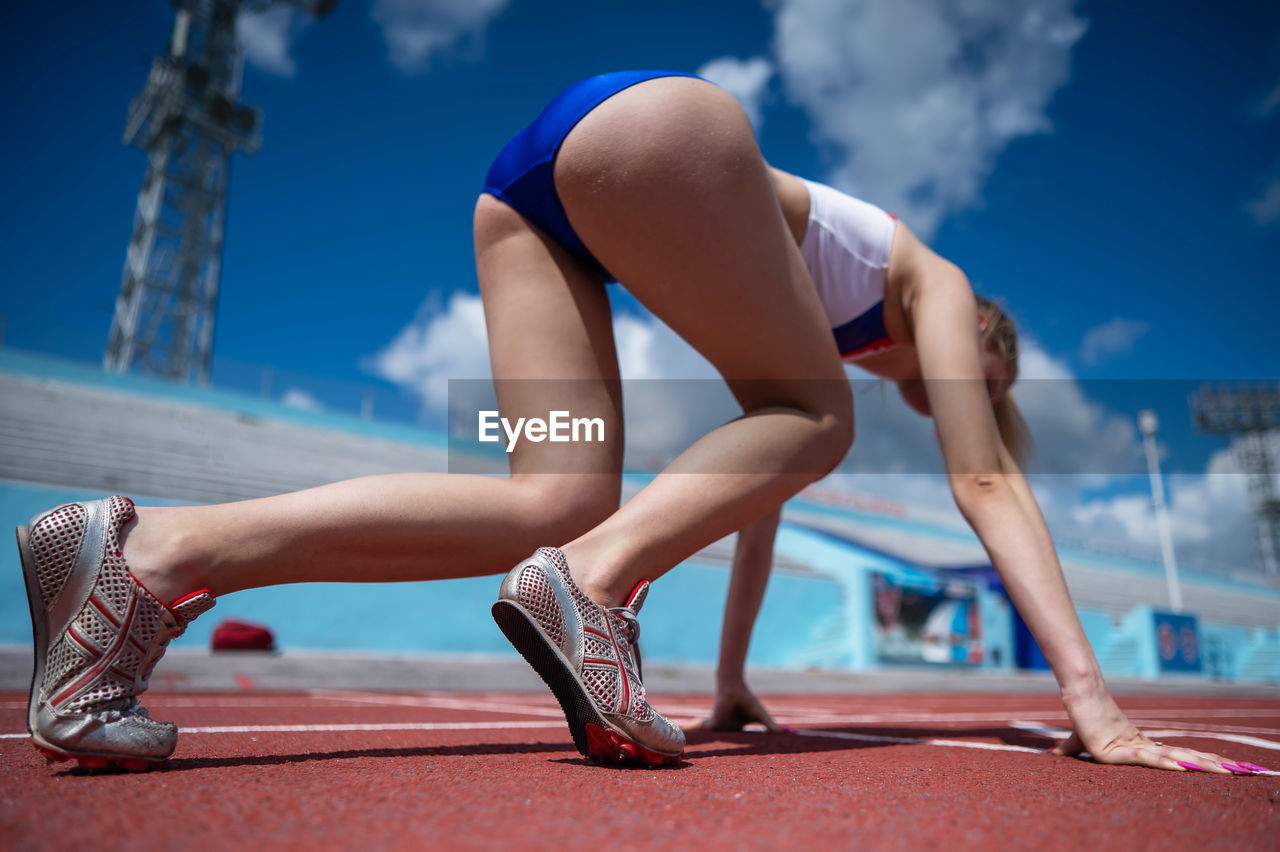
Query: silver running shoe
(586, 654)
(98, 634)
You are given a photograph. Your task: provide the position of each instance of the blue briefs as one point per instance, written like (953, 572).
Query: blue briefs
(522, 174)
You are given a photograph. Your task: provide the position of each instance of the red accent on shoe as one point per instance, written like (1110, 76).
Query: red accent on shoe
(197, 593)
(609, 746)
(631, 598)
(97, 761)
(80, 640)
(622, 672)
(107, 659)
(102, 610)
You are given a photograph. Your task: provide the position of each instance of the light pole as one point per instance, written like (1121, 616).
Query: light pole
(1148, 423)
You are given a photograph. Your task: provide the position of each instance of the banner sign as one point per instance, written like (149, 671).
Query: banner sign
(922, 621)
(1177, 642)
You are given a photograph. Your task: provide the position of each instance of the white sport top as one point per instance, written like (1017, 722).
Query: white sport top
(846, 249)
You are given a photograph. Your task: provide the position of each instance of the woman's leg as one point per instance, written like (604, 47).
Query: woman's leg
(548, 319)
(665, 184)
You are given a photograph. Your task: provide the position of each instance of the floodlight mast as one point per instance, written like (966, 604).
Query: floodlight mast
(188, 121)
(1250, 415)
(1149, 424)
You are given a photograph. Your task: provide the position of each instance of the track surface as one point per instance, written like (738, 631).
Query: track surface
(341, 770)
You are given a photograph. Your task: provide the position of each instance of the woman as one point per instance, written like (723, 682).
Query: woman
(656, 178)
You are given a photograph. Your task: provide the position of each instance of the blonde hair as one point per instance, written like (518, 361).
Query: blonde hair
(1000, 337)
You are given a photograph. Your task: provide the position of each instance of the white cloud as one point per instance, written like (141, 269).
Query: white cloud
(1084, 445)
(440, 344)
(298, 398)
(417, 30)
(1113, 337)
(1209, 517)
(266, 36)
(915, 98)
(1265, 209)
(745, 79)
(674, 396)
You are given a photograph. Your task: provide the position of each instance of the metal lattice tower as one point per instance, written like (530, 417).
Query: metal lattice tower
(1251, 416)
(189, 123)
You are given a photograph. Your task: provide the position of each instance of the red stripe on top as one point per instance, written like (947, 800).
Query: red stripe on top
(107, 659)
(874, 346)
(97, 604)
(626, 687)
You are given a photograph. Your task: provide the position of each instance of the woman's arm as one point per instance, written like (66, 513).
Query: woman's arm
(994, 498)
(736, 706)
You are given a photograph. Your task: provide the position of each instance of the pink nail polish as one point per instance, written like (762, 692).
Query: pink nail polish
(788, 729)
(1191, 766)
(1237, 768)
(1255, 767)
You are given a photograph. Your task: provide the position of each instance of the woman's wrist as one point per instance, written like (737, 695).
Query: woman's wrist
(731, 682)
(1083, 687)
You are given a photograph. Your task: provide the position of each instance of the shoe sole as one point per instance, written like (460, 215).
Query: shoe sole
(40, 635)
(593, 736)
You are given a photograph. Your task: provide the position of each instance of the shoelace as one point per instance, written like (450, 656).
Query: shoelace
(629, 619)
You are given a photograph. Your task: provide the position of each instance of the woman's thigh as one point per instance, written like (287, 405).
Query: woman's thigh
(666, 186)
(551, 348)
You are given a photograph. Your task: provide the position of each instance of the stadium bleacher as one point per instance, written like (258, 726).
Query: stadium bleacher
(80, 431)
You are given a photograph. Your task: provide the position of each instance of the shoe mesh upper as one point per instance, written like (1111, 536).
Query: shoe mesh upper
(593, 647)
(605, 682)
(56, 547)
(117, 602)
(93, 627)
(537, 597)
(65, 658)
(107, 689)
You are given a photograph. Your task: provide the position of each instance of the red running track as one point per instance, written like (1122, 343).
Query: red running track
(342, 770)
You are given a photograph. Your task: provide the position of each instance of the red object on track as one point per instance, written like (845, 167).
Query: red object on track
(234, 635)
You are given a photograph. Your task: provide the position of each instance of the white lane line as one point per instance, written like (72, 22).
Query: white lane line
(1208, 712)
(1041, 729)
(438, 703)
(1217, 735)
(226, 702)
(1061, 733)
(910, 718)
(875, 738)
(513, 703)
(372, 727)
(1195, 726)
(983, 716)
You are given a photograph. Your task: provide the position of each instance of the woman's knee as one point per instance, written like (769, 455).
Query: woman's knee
(835, 437)
(563, 507)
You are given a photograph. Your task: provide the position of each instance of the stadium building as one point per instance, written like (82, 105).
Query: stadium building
(859, 584)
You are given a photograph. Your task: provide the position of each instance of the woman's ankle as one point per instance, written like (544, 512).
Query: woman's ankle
(158, 555)
(592, 574)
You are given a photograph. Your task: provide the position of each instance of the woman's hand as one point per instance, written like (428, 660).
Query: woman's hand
(1103, 730)
(735, 708)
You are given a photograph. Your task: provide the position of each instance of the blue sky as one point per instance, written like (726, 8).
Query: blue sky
(1110, 170)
